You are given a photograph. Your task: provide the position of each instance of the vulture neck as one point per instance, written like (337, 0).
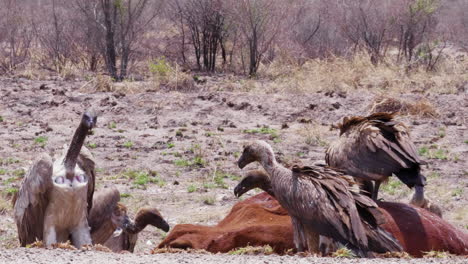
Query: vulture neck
(418, 196)
(270, 165)
(74, 150)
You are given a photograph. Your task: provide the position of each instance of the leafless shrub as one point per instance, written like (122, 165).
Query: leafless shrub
(16, 35)
(206, 23)
(259, 22)
(121, 24)
(389, 104)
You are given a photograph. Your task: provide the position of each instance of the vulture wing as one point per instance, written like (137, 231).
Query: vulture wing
(375, 148)
(104, 204)
(32, 200)
(87, 164)
(331, 208)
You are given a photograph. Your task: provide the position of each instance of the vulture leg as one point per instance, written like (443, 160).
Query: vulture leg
(81, 235)
(313, 240)
(327, 246)
(366, 187)
(375, 192)
(298, 235)
(50, 234)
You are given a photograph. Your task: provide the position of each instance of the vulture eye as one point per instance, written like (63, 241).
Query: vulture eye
(59, 180)
(79, 178)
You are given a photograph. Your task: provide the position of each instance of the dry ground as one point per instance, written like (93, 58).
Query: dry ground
(177, 151)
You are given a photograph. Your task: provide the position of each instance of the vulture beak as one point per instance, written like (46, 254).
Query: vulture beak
(239, 190)
(243, 160)
(164, 226)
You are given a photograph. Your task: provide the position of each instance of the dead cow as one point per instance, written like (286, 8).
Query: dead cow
(260, 220)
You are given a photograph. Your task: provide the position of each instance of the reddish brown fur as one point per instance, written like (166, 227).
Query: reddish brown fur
(256, 221)
(419, 230)
(260, 220)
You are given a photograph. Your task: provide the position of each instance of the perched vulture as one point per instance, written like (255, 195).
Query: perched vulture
(417, 229)
(373, 148)
(55, 197)
(111, 226)
(321, 202)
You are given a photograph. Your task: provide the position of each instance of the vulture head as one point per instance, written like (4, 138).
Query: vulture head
(253, 179)
(89, 119)
(147, 216)
(256, 151)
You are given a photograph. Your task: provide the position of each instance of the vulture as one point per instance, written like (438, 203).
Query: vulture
(320, 201)
(55, 197)
(111, 226)
(373, 148)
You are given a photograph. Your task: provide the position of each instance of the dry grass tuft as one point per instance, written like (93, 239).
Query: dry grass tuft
(178, 250)
(314, 134)
(402, 255)
(343, 74)
(103, 83)
(37, 244)
(4, 205)
(249, 250)
(421, 108)
(437, 254)
(343, 253)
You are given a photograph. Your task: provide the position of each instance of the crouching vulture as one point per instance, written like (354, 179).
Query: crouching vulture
(373, 148)
(320, 201)
(111, 226)
(54, 198)
(417, 229)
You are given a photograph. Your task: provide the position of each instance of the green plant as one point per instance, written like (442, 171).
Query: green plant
(170, 145)
(434, 175)
(182, 163)
(92, 145)
(263, 130)
(457, 192)
(199, 161)
(209, 200)
(128, 144)
(267, 250)
(11, 190)
(343, 253)
(434, 152)
(19, 173)
(392, 186)
(442, 132)
(191, 188)
(2, 171)
(209, 185)
(41, 141)
(1, 118)
(112, 125)
(160, 67)
(9, 161)
(436, 254)
(125, 195)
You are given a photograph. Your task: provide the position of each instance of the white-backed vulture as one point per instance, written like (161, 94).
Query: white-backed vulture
(54, 198)
(111, 226)
(373, 148)
(321, 201)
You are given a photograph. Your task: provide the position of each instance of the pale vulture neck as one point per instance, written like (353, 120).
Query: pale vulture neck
(268, 161)
(74, 150)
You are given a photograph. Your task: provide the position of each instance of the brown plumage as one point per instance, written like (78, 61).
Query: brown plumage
(55, 197)
(321, 200)
(111, 226)
(373, 148)
(254, 179)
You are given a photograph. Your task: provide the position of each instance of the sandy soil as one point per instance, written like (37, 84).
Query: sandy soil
(185, 146)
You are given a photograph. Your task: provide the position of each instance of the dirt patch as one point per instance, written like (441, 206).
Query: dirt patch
(176, 151)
